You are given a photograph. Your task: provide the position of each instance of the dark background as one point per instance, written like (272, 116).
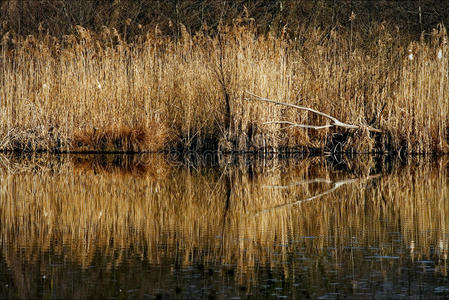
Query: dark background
(134, 17)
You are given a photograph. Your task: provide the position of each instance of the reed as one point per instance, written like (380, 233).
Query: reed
(94, 91)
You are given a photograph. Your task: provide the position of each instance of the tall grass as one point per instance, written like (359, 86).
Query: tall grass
(91, 91)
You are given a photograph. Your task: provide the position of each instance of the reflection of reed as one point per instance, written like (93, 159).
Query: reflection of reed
(13, 163)
(207, 215)
(152, 165)
(146, 164)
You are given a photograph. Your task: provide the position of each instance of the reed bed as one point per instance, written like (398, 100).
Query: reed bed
(94, 91)
(78, 213)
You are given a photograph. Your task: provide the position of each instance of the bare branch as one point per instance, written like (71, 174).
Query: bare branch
(300, 125)
(335, 121)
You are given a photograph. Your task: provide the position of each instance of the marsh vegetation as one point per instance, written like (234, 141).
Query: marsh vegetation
(105, 90)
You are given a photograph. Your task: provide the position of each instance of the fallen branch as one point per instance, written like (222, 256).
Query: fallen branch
(300, 125)
(335, 121)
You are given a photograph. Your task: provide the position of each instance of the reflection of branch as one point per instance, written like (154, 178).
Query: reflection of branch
(317, 180)
(336, 185)
(335, 121)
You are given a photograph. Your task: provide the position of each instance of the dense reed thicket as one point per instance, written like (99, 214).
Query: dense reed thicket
(96, 91)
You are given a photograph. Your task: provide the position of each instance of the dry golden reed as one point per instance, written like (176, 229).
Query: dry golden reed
(258, 215)
(54, 93)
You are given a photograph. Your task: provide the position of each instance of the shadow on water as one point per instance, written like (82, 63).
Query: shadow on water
(113, 226)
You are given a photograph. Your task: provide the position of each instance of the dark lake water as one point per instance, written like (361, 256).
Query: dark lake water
(145, 227)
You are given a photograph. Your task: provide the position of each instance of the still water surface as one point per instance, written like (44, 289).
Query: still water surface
(125, 227)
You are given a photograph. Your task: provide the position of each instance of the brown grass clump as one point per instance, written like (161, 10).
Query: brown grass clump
(120, 139)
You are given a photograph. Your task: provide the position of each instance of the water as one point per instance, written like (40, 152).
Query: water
(119, 227)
